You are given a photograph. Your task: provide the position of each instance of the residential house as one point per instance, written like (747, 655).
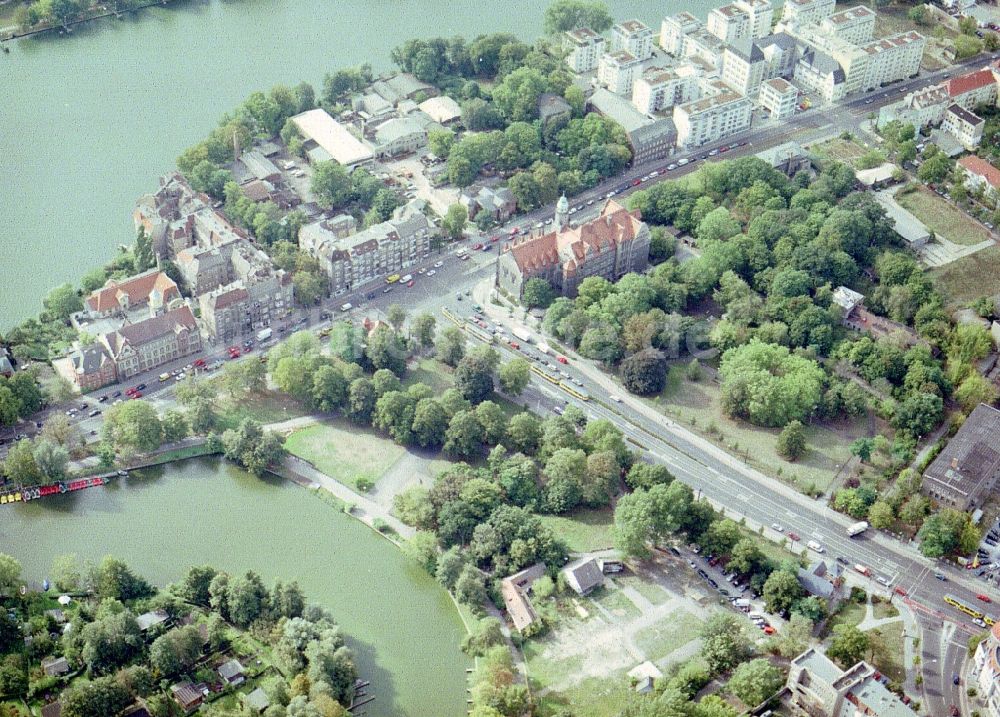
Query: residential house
(583, 575)
(55, 666)
(498, 202)
(634, 37)
(817, 581)
(188, 695)
(987, 671)
(88, 367)
(136, 348)
(232, 673)
(818, 686)
(585, 49)
(6, 362)
(980, 175)
(611, 245)
(402, 87)
(965, 472)
(963, 125)
(152, 290)
(515, 590)
(712, 118)
(877, 177)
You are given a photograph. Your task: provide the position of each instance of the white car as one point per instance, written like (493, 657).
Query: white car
(438, 264)
(616, 399)
(432, 272)
(777, 528)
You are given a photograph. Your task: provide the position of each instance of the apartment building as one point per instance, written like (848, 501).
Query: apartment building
(712, 118)
(634, 37)
(818, 686)
(779, 97)
(987, 671)
(781, 52)
(674, 31)
(974, 88)
(206, 269)
(744, 66)
(87, 368)
(728, 23)
(928, 105)
(856, 25)
(980, 174)
(270, 289)
(585, 49)
(648, 137)
(761, 14)
(617, 71)
(704, 47)
(816, 71)
(145, 345)
(893, 58)
(224, 312)
(357, 259)
(807, 12)
(611, 245)
(965, 126)
(149, 291)
(659, 88)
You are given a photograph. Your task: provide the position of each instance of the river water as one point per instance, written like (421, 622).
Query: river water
(403, 626)
(88, 122)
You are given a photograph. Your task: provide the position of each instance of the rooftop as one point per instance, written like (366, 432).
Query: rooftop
(977, 165)
(893, 41)
(881, 173)
(441, 109)
(818, 664)
(780, 85)
(706, 104)
(583, 36)
(850, 14)
(396, 129)
(966, 116)
(619, 109)
(152, 284)
(969, 82)
(971, 456)
(632, 27)
(332, 137)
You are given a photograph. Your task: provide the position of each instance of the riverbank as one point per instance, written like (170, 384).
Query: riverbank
(96, 12)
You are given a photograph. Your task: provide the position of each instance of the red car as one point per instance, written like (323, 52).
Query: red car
(984, 598)
(410, 282)
(768, 630)
(514, 345)
(234, 352)
(199, 363)
(137, 394)
(636, 182)
(515, 231)
(495, 238)
(477, 247)
(793, 536)
(561, 359)
(899, 591)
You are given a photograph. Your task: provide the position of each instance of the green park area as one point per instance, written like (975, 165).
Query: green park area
(840, 150)
(697, 405)
(942, 217)
(585, 531)
(970, 277)
(350, 454)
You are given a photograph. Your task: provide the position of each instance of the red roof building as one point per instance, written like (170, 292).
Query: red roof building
(152, 288)
(980, 173)
(973, 89)
(611, 245)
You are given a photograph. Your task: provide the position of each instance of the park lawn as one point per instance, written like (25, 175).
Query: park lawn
(615, 602)
(850, 613)
(345, 453)
(662, 638)
(649, 590)
(942, 217)
(431, 373)
(970, 277)
(583, 531)
(884, 609)
(593, 697)
(841, 150)
(696, 405)
(544, 671)
(887, 646)
(263, 407)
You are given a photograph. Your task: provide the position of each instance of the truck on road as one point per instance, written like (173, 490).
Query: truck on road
(857, 528)
(264, 334)
(346, 307)
(864, 570)
(522, 334)
(544, 348)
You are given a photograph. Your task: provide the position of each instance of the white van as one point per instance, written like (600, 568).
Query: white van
(813, 545)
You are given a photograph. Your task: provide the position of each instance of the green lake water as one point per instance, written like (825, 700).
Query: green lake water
(89, 122)
(402, 625)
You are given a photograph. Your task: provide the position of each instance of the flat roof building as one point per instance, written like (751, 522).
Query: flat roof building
(966, 470)
(585, 49)
(820, 687)
(633, 37)
(335, 141)
(649, 138)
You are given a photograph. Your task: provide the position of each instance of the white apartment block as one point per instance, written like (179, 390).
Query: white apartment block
(617, 71)
(674, 31)
(705, 47)
(778, 97)
(781, 52)
(660, 88)
(893, 58)
(965, 126)
(761, 14)
(852, 60)
(856, 24)
(744, 67)
(585, 49)
(712, 118)
(728, 23)
(806, 12)
(633, 37)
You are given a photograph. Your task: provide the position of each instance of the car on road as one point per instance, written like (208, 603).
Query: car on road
(477, 246)
(137, 394)
(814, 546)
(411, 282)
(616, 399)
(899, 591)
(438, 264)
(777, 528)
(432, 272)
(955, 679)
(713, 152)
(671, 167)
(793, 536)
(386, 290)
(941, 577)
(116, 394)
(102, 399)
(562, 359)
(392, 278)
(842, 560)
(983, 598)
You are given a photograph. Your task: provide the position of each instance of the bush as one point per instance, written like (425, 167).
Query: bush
(364, 484)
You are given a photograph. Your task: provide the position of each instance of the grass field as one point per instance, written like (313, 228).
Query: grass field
(970, 277)
(430, 372)
(263, 407)
(842, 150)
(616, 603)
(649, 590)
(666, 636)
(942, 217)
(345, 453)
(887, 645)
(584, 531)
(697, 405)
(884, 609)
(593, 697)
(850, 613)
